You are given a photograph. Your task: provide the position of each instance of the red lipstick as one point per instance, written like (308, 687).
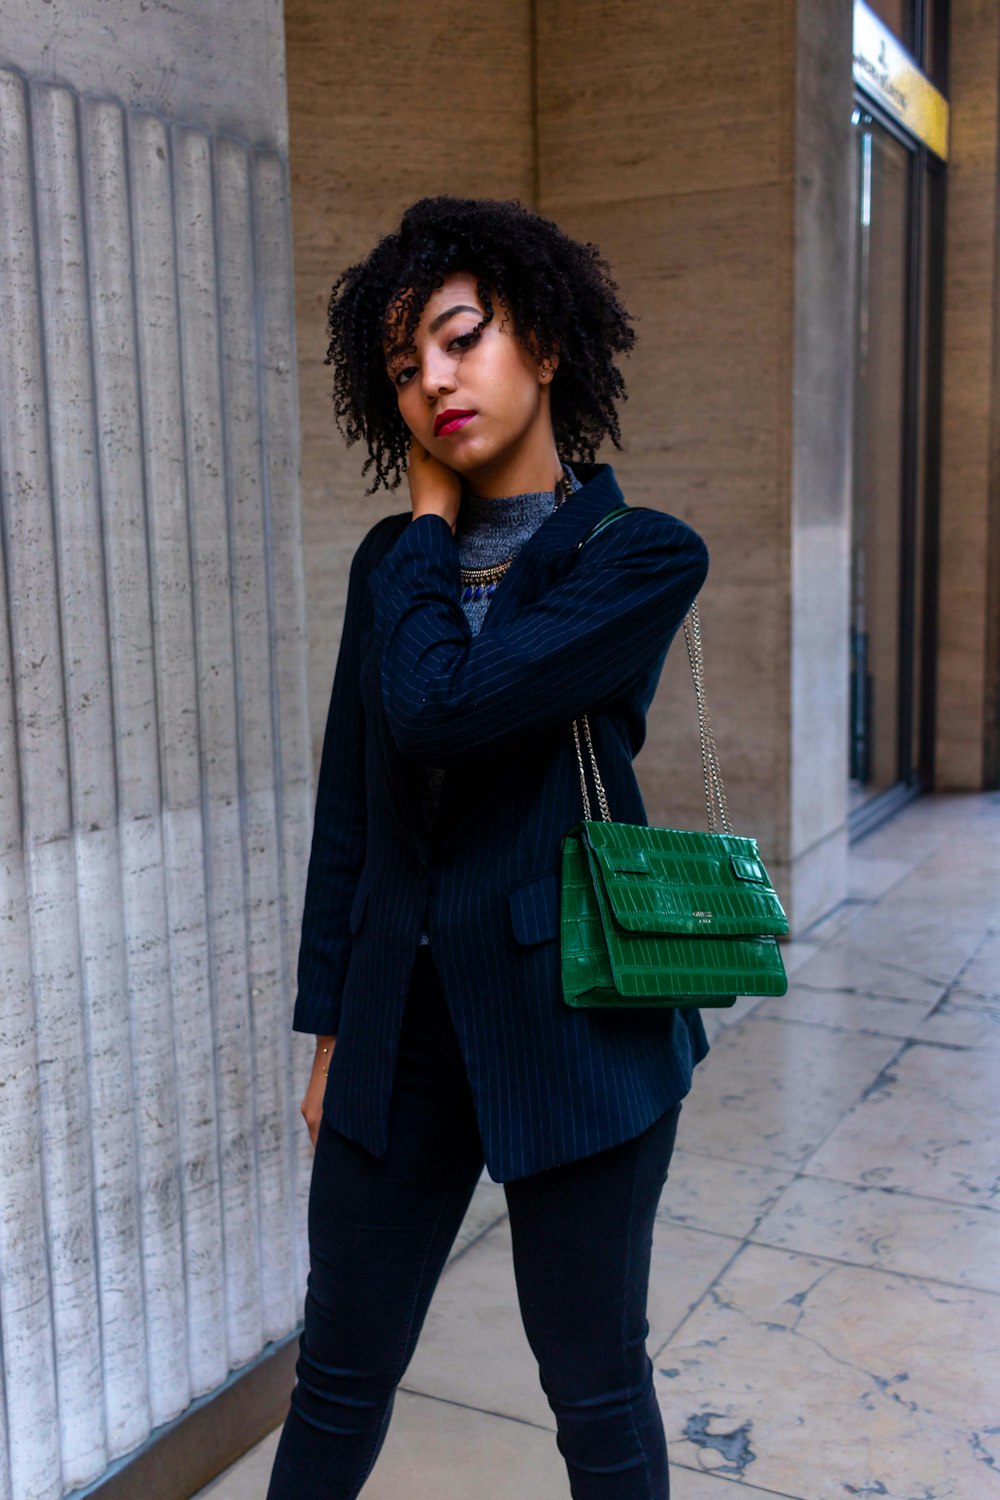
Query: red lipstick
(451, 420)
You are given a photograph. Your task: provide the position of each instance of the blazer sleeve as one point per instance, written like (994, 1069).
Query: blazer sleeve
(339, 836)
(607, 620)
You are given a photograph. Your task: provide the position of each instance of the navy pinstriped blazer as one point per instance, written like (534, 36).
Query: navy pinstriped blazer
(570, 630)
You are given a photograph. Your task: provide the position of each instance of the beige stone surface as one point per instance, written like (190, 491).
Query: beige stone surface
(957, 1023)
(851, 970)
(880, 1227)
(703, 110)
(434, 1450)
(952, 1158)
(883, 1014)
(969, 558)
(979, 980)
(817, 1379)
(717, 1195)
(399, 123)
(768, 1093)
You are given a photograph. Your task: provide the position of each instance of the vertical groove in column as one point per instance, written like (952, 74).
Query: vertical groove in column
(50, 929)
(185, 830)
(277, 376)
(119, 1311)
(135, 916)
(164, 402)
(5, 1489)
(29, 1458)
(218, 790)
(258, 771)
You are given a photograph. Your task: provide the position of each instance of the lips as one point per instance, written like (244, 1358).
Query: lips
(447, 420)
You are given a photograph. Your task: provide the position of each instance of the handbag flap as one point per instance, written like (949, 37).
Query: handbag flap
(676, 881)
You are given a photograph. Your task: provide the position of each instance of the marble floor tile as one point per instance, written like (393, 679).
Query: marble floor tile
(959, 888)
(834, 922)
(770, 1091)
(853, 970)
(438, 1450)
(890, 1231)
(887, 1017)
(929, 1126)
(434, 1450)
(980, 978)
(695, 1484)
(247, 1480)
(821, 1380)
(716, 1018)
(722, 1197)
(929, 943)
(869, 877)
(795, 953)
(959, 1021)
(488, 1207)
(473, 1347)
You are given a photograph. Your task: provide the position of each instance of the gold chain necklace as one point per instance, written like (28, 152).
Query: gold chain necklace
(479, 581)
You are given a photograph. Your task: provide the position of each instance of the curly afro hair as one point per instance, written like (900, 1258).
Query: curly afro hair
(554, 287)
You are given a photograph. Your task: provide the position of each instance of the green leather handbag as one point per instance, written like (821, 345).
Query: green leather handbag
(666, 916)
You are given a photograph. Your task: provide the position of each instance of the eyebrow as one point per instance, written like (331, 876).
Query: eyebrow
(436, 323)
(443, 317)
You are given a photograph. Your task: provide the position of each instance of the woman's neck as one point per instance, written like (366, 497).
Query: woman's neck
(527, 473)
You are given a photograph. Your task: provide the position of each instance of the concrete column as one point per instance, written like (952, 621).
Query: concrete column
(155, 775)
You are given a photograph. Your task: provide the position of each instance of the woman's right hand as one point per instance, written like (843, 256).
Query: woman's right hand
(311, 1107)
(435, 489)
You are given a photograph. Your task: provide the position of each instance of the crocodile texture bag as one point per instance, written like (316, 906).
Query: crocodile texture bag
(666, 916)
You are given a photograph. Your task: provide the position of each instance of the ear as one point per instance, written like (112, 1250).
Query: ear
(548, 366)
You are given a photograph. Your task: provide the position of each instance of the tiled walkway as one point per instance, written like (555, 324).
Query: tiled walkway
(825, 1295)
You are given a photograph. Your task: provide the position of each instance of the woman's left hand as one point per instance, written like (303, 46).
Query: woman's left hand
(435, 490)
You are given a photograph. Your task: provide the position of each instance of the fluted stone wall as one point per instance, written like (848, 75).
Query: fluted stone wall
(155, 775)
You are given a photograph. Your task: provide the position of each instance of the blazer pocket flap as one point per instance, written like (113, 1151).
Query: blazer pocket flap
(534, 909)
(358, 906)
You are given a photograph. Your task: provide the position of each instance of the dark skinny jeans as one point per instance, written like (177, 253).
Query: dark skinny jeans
(379, 1237)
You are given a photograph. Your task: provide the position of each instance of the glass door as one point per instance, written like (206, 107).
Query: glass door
(888, 700)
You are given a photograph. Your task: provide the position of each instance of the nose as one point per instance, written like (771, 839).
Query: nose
(438, 374)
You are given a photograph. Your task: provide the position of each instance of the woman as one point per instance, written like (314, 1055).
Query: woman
(476, 347)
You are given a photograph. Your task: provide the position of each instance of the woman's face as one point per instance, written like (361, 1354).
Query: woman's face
(488, 373)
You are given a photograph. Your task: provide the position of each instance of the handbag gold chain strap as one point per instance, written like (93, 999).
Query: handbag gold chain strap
(716, 804)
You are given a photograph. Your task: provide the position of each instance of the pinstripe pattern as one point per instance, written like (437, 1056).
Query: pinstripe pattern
(569, 631)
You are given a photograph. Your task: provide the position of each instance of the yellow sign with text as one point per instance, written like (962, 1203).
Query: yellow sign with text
(884, 68)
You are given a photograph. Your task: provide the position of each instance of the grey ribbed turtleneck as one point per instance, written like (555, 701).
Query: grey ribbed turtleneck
(488, 530)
